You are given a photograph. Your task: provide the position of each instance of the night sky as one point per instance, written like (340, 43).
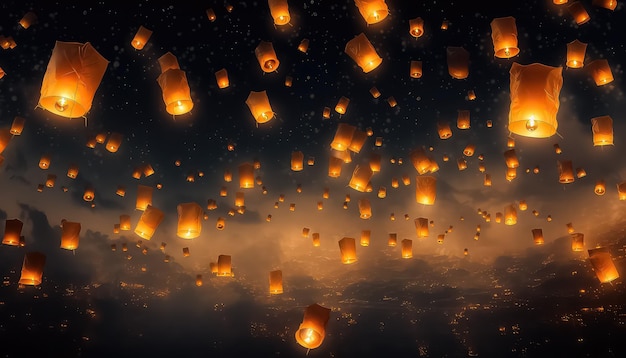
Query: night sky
(485, 289)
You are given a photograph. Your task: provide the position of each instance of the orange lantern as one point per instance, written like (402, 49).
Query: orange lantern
(5, 137)
(469, 150)
(458, 62)
(17, 126)
(221, 76)
(600, 187)
(70, 235)
(304, 46)
(144, 197)
(44, 161)
(358, 140)
(471, 95)
(50, 180)
(220, 223)
(487, 179)
(510, 215)
(326, 113)
(141, 38)
(28, 19)
(421, 227)
(276, 282)
(621, 190)
(443, 129)
(504, 37)
(176, 92)
(266, 56)
(566, 171)
(189, 220)
(535, 92)
(602, 264)
(360, 178)
(421, 162)
(578, 241)
(607, 4)
(342, 105)
(373, 11)
(578, 12)
(280, 11)
(365, 237)
(510, 158)
(224, 266)
(365, 209)
(416, 27)
(600, 71)
(602, 129)
(407, 248)
(425, 190)
(347, 246)
(375, 162)
(316, 239)
(114, 142)
(463, 119)
(121, 190)
(343, 137)
(89, 193)
(392, 102)
(538, 236)
(246, 175)
(124, 222)
(288, 81)
(374, 92)
(148, 222)
(576, 54)
(312, 330)
(461, 163)
(73, 74)
(210, 14)
(259, 106)
(32, 268)
(360, 49)
(415, 70)
(12, 232)
(297, 161)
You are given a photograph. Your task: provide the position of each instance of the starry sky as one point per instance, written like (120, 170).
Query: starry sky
(496, 293)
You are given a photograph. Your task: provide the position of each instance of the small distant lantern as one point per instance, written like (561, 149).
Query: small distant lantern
(114, 142)
(12, 232)
(407, 248)
(316, 239)
(342, 105)
(288, 81)
(570, 228)
(361, 50)
(607, 4)
(378, 142)
(266, 56)
(373, 11)
(312, 330)
(600, 187)
(578, 12)
(458, 62)
(538, 236)
(44, 161)
(246, 175)
(141, 38)
(580, 173)
(392, 102)
(576, 54)
(603, 265)
(469, 150)
(148, 222)
(425, 190)
(32, 268)
(487, 180)
(124, 222)
(189, 220)
(326, 113)
(471, 95)
(89, 193)
(304, 46)
(28, 19)
(461, 163)
(221, 76)
(210, 14)
(358, 140)
(420, 160)
(510, 158)
(70, 235)
(360, 178)
(220, 223)
(365, 209)
(416, 27)
(600, 71)
(392, 239)
(276, 282)
(510, 215)
(463, 119)
(224, 266)
(415, 70)
(443, 129)
(279, 9)
(17, 125)
(621, 190)
(440, 238)
(374, 92)
(334, 167)
(578, 242)
(602, 129)
(566, 171)
(297, 161)
(120, 191)
(445, 24)
(365, 237)
(347, 247)
(504, 37)
(421, 227)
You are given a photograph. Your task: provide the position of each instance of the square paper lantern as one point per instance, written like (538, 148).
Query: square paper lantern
(361, 50)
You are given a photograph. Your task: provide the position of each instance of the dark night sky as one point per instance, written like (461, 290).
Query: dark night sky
(508, 297)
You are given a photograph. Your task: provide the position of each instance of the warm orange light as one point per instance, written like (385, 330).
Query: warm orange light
(148, 222)
(259, 105)
(361, 50)
(603, 265)
(373, 11)
(221, 76)
(141, 38)
(458, 62)
(266, 56)
(189, 220)
(279, 9)
(347, 247)
(504, 37)
(576, 54)
(600, 71)
(312, 330)
(425, 190)
(32, 268)
(416, 27)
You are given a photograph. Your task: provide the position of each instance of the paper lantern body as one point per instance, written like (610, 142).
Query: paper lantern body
(12, 232)
(600, 71)
(189, 220)
(259, 105)
(373, 11)
(360, 49)
(347, 247)
(176, 92)
(416, 27)
(280, 11)
(312, 330)
(70, 235)
(32, 268)
(603, 264)
(148, 222)
(276, 282)
(425, 190)
(141, 38)
(576, 54)
(458, 62)
(602, 129)
(266, 56)
(504, 37)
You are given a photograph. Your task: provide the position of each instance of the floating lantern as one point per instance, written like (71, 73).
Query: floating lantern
(538, 236)
(487, 180)
(392, 102)
(469, 150)
(124, 222)
(141, 38)
(316, 239)
(266, 56)
(445, 24)
(148, 222)
(621, 190)
(144, 197)
(504, 37)
(535, 92)
(342, 105)
(600, 187)
(276, 282)
(70, 235)
(365, 237)
(566, 171)
(378, 142)
(463, 119)
(578, 242)
(304, 46)
(602, 129)
(210, 14)
(420, 160)
(600, 71)
(28, 19)
(373, 11)
(73, 74)
(360, 178)
(471, 95)
(334, 167)
(365, 209)
(17, 125)
(392, 240)
(312, 330)
(358, 140)
(578, 12)
(221, 76)
(374, 92)
(415, 70)
(607, 4)
(570, 228)
(443, 129)
(224, 266)
(44, 161)
(259, 105)
(407, 248)
(458, 62)
(440, 238)
(50, 180)
(326, 113)
(220, 224)
(510, 215)
(32, 268)
(461, 163)
(297, 161)
(576, 54)
(347, 247)
(280, 11)
(246, 175)
(510, 158)
(121, 190)
(416, 27)
(114, 142)
(189, 220)
(602, 263)
(425, 190)
(360, 49)
(89, 193)
(12, 232)
(421, 227)
(288, 81)
(580, 173)
(176, 92)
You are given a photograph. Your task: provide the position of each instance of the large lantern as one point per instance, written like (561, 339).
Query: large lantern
(259, 105)
(276, 282)
(141, 38)
(602, 264)
(602, 129)
(148, 222)
(458, 62)
(416, 27)
(365, 209)
(12, 232)
(420, 160)
(600, 71)
(360, 178)
(347, 247)
(358, 140)
(312, 330)
(360, 49)
(373, 11)
(425, 190)
(280, 11)
(74, 73)
(535, 92)
(443, 129)
(176, 92)
(144, 197)
(70, 235)
(504, 37)
(576, 54)
(32, 268)
(246, 175)
(266, 56)
(189, 220)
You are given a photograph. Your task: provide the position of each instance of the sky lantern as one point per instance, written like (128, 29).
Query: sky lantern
(343, 136)
(603, 264)
(12, 232)
(471, 95)
(621, 190)
(51, 180)
(360, 177)
(487, 180)
(578, 241)
(239, 199)
(602, 129)
(374, 92)
(607, 4)
(210, 14)
(425, 190)
(124, 222)
(365, 209)
(535, 92)
(32, 268)
(361, 50)
(358, 140)
(373, 11)
(221, 77)
(5, 138)
(538, 236)
(297, 161)
(220, 224)
(70, 235)
(576, 54)
(510, 215)
(461, 163)
(334, 167)
(415, 70)
(141, 38)
(72, 77)
(347, 247)
(375, 162)
(246, 175)
(600, 187)
(416, 27)
(566, 171)
(28, 19)
(600, 71)
(280, 11)
(189, 220)
(167, 62)
(17, 125)
(342, 105)
(366, 235)
(578, 12)
(421, 227)
(504, 37)
(458, 62)
(420, 160)
(276, 282)
(316, 239)
(463, 119)
(304, 46)
(89, 193)
(510, 158)
(144, 197)
(148, 222)
(259, 105)
(224, 266)
(44, 161)
(443, 129)
(175, 88)
(114, 142)
(312, 330)
(120, 190)
(407, 248)
(266, 56)
(469, 150)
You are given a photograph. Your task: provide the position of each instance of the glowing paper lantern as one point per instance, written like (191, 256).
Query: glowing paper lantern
(246, 175)
(70, 235)
(416, 27)
(168, 62)
(259, 105)
(12, 232)
(578, 12)
(73, 74)
(224, 266)
(510, 215)
(89, 193)
(415, 71)
(602, 264)
(407, 248)
(365, 237)
(510, 158)
(141, 38)
(374, 92)
(360, 178)
(220, 224)
(144, 197)
(334, 167)
(421, 227)
(487, 180)
(607, 4)
(443, 129)
(600, 187)
(17, 125)
(210, 14)
(176, 92)
(576, 54)
(602, 129)
(343, 137)
(358, 140)
(365, 209)
(266, 56)
(463, 119)
(50, 180)
(621, 190)
(578, 242)
(538, 236)
(373, 11)
(189, 220)
(566, 171)
(347, 247)
(535, 92)
(221, 76)
(342, 105)
(44, 161)
(316, 239)
(114, 142)
(504, 37)
(425, 190)
(28, 19)
(312, 330)
(360, 49)
(304, 46)
(420, 160)
(469, 150)
(280, 11)
(276, 282)
(124, 222)
(148, 222)
(600, 71)
(458, 62)
(32, 268)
